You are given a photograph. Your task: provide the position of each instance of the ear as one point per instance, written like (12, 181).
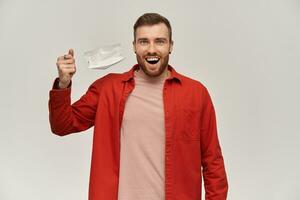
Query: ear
(171, 47)
(133, 46)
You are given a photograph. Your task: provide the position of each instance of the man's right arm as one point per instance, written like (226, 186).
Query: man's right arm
(64, 117)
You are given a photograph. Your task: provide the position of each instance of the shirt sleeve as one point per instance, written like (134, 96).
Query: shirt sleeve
(214, 175)
(66, 118)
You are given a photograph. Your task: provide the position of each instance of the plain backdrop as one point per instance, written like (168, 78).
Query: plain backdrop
(247, 53)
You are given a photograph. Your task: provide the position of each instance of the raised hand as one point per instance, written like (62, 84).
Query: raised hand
(66, 68)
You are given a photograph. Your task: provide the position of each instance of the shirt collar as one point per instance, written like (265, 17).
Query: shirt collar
(130, 74)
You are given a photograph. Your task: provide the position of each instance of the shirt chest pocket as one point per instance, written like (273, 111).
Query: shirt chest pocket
(187, 124)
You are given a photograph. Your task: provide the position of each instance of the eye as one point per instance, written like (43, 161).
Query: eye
(160, 42)
(143, 42)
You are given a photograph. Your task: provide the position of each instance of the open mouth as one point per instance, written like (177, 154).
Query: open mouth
(152, 60)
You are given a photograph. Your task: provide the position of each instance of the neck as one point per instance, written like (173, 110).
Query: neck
(162, 76)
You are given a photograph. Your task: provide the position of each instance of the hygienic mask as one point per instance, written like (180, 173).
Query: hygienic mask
(103, 57)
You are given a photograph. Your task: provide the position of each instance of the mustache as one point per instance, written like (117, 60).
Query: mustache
(151, 54)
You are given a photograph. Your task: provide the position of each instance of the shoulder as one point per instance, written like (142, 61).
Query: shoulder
(197, 90)
(188, 82)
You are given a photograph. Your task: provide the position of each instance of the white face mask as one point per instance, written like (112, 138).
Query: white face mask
(103, 57)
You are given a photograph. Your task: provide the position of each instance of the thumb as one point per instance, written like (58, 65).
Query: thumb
(71, 52)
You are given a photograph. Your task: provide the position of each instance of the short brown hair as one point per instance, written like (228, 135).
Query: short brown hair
(152, 19)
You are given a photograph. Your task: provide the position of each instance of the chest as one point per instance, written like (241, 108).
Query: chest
(144, 105)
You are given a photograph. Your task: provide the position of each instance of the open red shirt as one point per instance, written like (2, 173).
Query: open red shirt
(192, 147)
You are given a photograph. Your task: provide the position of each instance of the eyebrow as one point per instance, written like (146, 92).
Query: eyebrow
(140, 39)
(165, 39)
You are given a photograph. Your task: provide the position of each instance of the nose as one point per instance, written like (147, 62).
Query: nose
(151, 48)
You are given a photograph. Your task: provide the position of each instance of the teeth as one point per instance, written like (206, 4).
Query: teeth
(152, 59)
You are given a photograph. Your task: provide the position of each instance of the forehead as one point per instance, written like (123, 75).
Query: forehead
(152, 31)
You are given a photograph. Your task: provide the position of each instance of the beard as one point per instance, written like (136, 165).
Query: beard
(163, 64)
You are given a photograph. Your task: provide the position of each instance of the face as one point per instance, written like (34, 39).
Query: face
(152, 47)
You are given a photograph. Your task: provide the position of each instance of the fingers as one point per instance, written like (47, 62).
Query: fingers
(65, 58)
(69, 71)
(70, 55)
(71, 52)
(65, 64)
(62, 60)
(66, 67)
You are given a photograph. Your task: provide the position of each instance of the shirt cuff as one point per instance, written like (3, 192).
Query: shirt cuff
(55, 85)
(59, 96)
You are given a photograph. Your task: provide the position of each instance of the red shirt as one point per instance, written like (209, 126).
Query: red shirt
(192, 148)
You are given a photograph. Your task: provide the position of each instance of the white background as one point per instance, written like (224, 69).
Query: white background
(247, 53)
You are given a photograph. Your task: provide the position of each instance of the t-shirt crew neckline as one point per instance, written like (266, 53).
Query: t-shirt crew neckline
(140, 74)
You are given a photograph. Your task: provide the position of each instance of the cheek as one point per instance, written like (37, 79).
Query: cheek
(140, 55)
(140, 51)
(164, 51)
(164, 54)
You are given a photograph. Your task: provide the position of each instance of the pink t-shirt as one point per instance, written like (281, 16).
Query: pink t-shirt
(142, 158)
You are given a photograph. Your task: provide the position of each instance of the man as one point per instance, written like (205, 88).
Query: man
(154, 129)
